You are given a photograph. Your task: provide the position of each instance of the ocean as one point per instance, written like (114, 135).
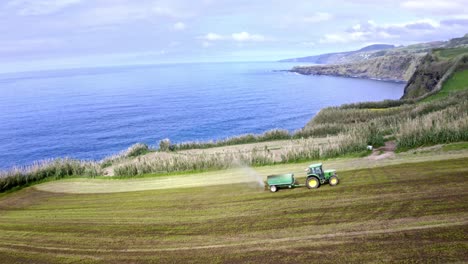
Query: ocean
(91, 113)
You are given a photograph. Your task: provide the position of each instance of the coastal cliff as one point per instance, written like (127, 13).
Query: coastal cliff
(398, 67)
(425, 67)
(365, 53)
(433, 71)
(382, 62)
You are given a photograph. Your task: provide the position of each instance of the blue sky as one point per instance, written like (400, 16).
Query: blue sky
(45, 34)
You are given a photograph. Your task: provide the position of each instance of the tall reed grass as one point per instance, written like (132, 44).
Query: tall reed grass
(444, 126)
(271, 135)
(52, 169)
(308, 149)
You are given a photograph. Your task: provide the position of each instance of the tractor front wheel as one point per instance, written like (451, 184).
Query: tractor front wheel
(312, 183)
(273, 188)
(333, 181)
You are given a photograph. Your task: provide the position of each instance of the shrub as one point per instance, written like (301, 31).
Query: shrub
(321, 130)
(375, 137)
(137, 150)
(378, 105)
(164, 145)
(275, 134)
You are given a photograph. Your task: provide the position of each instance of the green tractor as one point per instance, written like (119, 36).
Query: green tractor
(315, 177)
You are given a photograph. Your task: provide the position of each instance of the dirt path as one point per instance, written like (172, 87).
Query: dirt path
(385, 152)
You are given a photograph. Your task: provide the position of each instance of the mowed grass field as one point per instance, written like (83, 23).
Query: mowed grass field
(412, 213)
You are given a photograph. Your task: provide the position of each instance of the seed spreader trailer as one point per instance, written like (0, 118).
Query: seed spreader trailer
(315, 177)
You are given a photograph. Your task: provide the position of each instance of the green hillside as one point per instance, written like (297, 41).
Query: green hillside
(457, 82)
(436, 68)
(417, 210)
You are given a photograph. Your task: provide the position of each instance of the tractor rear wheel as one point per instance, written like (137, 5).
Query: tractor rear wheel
(333, 181)
(312, 183)
(273, 188)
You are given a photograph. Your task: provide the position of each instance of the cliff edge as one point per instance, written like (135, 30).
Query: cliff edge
(395, 67)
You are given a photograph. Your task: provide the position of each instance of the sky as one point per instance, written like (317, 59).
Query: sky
(50, 34)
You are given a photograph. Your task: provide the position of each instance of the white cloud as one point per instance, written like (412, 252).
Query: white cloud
(238, 37)
(371, 31)
(40, 7)
(436, 6)
(244, 36)
(179, 26)
(212, 37)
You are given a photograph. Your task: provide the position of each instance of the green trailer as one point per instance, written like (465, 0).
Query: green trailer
(281, 181)
(315, 177)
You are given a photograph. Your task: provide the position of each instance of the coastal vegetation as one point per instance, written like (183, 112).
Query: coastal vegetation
(47, 170)
(274, 134)
(347, 130)
(415, 121)
(305, 149)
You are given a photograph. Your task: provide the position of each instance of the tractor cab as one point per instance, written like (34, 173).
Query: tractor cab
(315, 169)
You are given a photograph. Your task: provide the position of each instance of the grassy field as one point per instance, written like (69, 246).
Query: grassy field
(245, 174)
(415, 212)
(458, 82)
(451, 53)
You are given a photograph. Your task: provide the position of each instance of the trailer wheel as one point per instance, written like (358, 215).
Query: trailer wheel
(312, 183)
(273, 188)
(333, 181)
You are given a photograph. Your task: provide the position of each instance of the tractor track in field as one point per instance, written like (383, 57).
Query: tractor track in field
(12, 246)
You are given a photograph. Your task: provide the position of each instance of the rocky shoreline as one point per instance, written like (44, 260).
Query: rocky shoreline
(320, 73)
(396, 68)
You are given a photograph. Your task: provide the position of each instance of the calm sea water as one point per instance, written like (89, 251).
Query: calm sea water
(92, 113)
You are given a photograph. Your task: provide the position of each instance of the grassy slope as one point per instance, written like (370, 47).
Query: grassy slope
(418, 211)
(451, 53)
(433, 70)
(457, 82)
